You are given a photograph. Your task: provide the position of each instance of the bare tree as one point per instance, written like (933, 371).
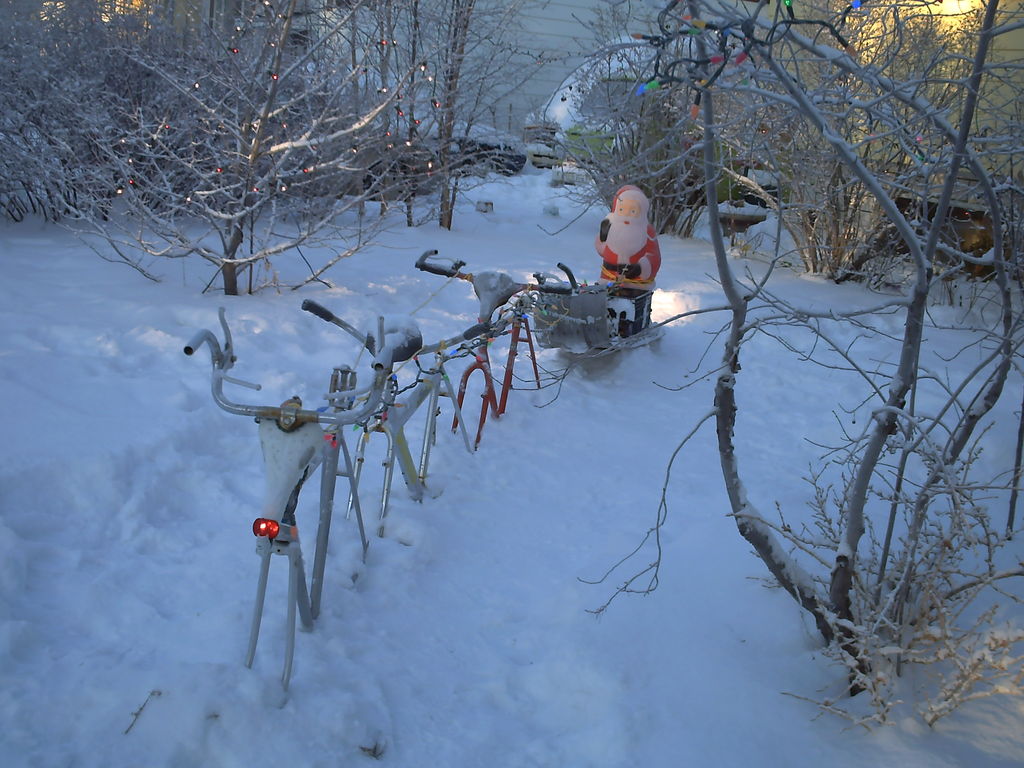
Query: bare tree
(477, 50)
(901, 562)
(446, 64)
(242, 135)
(253, 139)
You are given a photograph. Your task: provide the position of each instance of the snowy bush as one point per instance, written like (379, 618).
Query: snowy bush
(170, 132)
(61, 78)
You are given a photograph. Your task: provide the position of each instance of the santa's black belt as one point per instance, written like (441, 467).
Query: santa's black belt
(617, 268)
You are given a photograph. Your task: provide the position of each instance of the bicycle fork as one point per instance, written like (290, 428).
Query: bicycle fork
(285, 542)
(290, 457)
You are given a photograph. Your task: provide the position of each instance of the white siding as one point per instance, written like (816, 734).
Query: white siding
(557, 31)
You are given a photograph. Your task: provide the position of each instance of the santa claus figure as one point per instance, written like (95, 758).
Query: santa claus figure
(627, 243)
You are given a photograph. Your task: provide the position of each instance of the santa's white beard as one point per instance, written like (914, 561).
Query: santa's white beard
(626, 239)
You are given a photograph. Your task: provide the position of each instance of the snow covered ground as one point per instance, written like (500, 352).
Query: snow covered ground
(126, 500)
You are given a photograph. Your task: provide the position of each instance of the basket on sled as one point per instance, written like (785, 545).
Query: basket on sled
(592, 317)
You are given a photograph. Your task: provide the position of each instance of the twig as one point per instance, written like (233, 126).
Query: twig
(654, 566)
(135, 715)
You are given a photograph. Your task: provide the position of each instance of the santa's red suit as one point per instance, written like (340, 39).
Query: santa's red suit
(627, 243)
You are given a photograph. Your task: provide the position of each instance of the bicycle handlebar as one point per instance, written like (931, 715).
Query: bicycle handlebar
(325, 314)
(541, 287)
(319, 310)
(570, 275)
(506, 286)
(288, 417)
(224, 358)
(435, 269)
(473, 332)
(563, 289)
(413, 343)
(203, 337)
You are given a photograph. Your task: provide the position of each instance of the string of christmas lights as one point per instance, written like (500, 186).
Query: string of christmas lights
(701, 73)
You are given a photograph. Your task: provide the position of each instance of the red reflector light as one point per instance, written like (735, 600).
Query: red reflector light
(263, 527)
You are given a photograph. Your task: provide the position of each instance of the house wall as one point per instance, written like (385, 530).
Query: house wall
(1008, 48)
(1001, 106)
(555, 38)
(559, 33)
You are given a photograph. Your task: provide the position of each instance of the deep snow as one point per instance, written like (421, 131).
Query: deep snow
(126, 499)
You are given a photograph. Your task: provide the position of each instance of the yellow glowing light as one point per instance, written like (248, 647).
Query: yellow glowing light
(669, 303)
(956, 7)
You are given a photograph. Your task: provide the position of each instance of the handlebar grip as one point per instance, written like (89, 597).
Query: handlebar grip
(200, 338)
(425, 266)
(193, 345)
(319, 310)
(480, 329)
(424, 256)
(325, 314)
(570, 275)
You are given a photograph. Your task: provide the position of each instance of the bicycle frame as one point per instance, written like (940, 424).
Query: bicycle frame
(495, 290)
(432, 384)
(293, 449)
(493, 403)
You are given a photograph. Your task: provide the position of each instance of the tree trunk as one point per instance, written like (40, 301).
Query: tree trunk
(449, 191)
(229, 267)
(757, 534)
(462, 13)
(229, 273)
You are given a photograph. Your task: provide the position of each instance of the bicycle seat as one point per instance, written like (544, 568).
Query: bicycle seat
(492, 290)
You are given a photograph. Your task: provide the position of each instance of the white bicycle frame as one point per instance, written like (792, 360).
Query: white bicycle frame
(431, 386)
(294, 448)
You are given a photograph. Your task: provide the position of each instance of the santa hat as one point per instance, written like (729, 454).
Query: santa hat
(632, 192)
